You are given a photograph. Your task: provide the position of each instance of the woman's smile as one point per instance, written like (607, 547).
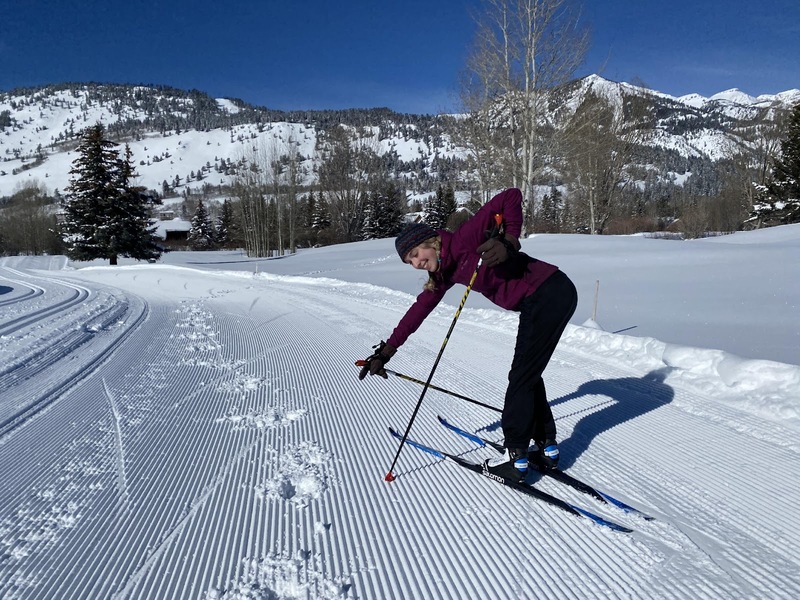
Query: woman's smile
(423, 258)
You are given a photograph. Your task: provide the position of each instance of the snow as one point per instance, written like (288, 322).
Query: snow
(174, 224)
(42, 119)
(734, 95)
(195, 428)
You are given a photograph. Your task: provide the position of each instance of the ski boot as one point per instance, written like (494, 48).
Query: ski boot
(546, 454)
(513, 465)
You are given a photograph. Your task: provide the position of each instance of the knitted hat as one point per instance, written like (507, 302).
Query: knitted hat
(411, 236)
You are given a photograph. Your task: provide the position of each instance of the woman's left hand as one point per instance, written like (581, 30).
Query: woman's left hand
(496, 251)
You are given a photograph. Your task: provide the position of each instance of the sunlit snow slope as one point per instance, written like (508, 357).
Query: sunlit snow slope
(172, 432)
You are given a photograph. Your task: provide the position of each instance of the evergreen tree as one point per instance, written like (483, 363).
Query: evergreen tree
(549, 215)
(391, 209)
(130, 226)
(322, 217)
(91, 191)
(370, 230)
(104, 215)
(310, 211)
(430, 215)
(201, 235)
(779, 200)
(448, 205)
(227, 232)
(438, 208)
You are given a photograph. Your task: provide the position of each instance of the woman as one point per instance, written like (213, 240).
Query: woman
(543, 295)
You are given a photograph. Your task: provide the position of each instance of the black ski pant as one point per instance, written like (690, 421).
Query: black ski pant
(543, 317)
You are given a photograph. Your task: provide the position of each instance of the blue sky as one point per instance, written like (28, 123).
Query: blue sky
(406, 55)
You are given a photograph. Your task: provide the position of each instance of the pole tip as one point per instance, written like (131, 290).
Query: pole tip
(389, 477)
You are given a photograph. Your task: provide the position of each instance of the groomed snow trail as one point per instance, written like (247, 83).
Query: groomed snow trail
(220, 445)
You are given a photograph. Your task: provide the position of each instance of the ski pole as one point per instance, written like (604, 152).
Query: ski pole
(390, 474)
(361, 363)
(496, 231)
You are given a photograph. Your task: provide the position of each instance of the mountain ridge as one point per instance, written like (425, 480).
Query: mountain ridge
(39, 128)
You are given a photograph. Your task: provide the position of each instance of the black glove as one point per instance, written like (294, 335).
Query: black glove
(373, 365)
(496, 250)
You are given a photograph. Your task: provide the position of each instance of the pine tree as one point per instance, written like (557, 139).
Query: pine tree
(370, 229)
(201, 235)
(391, 210)
(91, 191)
(778, 202)
(430, 214)
(448, 205)
(549, 215)
(227, 232)
(131, 229)
(322, 217)
(104, 215)
(438, 208)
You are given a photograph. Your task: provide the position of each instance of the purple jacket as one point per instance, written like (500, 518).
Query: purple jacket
(506, 284)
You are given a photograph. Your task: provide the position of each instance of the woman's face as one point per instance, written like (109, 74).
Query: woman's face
(423, 257)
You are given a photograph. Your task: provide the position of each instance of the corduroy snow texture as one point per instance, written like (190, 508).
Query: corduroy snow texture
(411, 236)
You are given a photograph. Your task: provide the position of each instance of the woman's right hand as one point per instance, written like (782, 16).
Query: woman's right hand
(373, 364)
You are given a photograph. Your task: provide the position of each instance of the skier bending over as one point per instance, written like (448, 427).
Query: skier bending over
(543, 295)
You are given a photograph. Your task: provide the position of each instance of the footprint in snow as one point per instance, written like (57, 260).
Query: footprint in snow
(302, 475)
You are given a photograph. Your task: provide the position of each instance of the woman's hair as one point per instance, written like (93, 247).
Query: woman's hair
(436, 244)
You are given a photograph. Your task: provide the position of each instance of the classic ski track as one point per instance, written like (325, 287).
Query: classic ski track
(78, 295)
(34, 291)
(199, 473)
(54, 348)
(43, 396)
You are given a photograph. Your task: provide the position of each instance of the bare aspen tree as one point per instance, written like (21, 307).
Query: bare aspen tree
(253, 209)
(252, 188)
(274, 169)
(293, 174)
(598, 147)
(28, 222)
(349, 164)
(267, 187)
(524, 50)
(762, 139)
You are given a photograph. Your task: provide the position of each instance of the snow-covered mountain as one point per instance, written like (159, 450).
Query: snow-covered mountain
(193, 140)
(692, 126)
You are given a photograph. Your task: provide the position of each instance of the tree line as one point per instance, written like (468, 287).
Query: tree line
(272, 209)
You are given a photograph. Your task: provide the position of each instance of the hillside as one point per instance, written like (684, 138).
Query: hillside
(189, 140)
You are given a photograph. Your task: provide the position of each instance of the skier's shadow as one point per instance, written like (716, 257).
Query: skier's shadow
(627, 398)
(618, 401)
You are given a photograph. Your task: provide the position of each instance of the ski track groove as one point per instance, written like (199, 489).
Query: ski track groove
(683, 498)
(687, 493)
(473, 482)
(432, 492)
(109, 537)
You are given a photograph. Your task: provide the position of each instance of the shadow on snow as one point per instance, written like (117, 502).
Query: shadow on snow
(618, 401)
